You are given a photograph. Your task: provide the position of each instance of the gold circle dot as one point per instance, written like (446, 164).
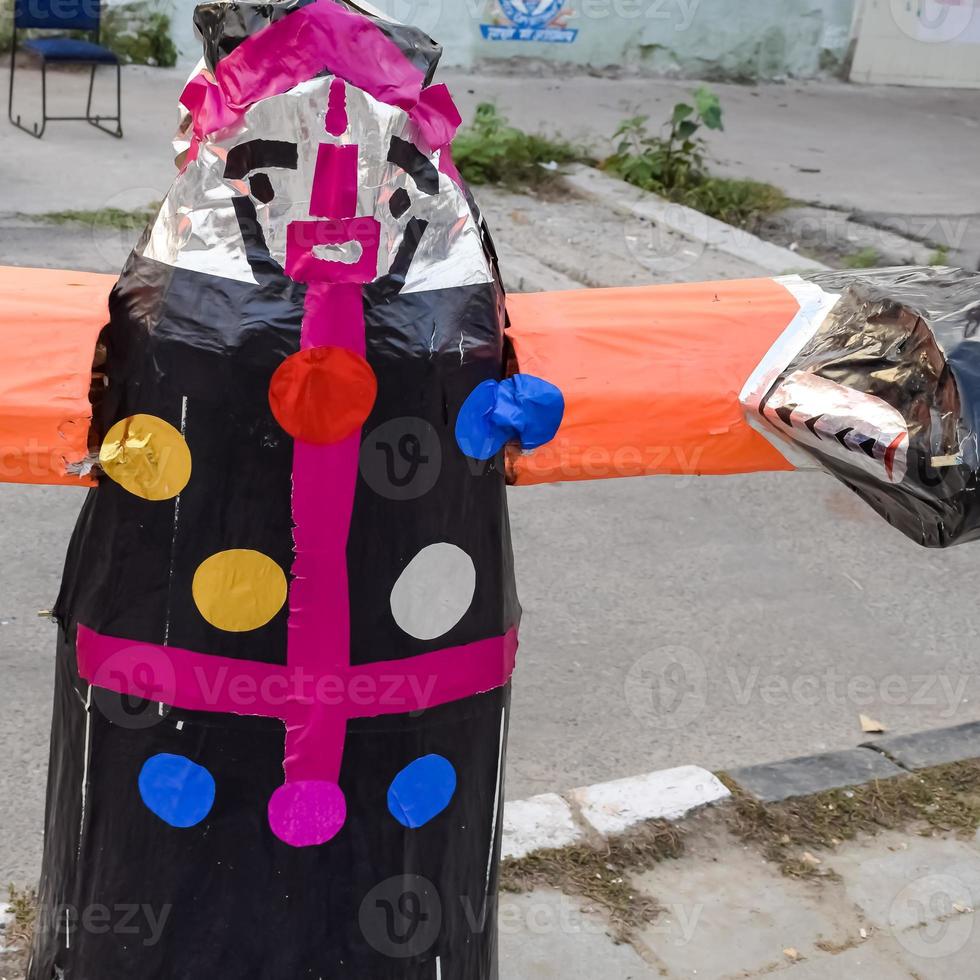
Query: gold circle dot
(146, 456)
(239, 589)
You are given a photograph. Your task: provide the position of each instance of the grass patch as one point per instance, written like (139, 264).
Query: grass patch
(101, 218)
(945, 798)
(491, 151)
(673, 165)
(743, 203)
(600, 873)
(866, 258)
(23, 911)
(940, 256)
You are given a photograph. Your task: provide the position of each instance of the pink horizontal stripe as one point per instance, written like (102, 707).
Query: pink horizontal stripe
(201, 682)
(181, 678)
(445, 675)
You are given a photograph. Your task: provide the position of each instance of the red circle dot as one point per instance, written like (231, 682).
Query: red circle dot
(322, 394)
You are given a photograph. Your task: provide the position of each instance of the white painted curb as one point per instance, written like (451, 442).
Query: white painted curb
(549, 821)
(5, 919)
(617, 195)
(541, 822)
(612, 808)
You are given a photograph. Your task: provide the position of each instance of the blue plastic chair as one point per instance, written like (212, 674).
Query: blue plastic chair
(64, 15)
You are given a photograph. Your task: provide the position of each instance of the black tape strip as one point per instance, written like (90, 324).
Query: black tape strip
(415, 163)
(386, 287)
(258, 154)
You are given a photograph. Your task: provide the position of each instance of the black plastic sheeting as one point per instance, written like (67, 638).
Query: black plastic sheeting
(226, 898)
(908, 337)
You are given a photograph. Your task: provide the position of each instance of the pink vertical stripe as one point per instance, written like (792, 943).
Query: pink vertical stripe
(336, 118)
(334, 181)
(324, 481)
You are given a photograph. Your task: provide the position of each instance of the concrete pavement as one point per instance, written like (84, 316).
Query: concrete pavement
(898, 907)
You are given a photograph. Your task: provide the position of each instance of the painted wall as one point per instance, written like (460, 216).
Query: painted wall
(747, 39)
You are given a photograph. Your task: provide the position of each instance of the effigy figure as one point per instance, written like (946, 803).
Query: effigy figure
(288, 621)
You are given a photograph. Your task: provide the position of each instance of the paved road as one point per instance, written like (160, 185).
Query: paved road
(667, 620)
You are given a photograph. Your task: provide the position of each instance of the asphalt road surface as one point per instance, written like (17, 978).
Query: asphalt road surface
(668, 620)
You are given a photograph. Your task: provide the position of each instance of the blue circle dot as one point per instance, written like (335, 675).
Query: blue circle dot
(178, 791)
(422, 790)
(521, 408)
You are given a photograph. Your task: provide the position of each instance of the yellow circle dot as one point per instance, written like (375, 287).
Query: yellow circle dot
(239, 590)
(147, 457)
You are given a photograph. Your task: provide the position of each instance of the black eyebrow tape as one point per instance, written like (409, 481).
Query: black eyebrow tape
(415, 163)
(256, 154)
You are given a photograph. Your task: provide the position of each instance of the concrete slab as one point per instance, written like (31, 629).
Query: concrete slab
(616, 806)
(901, 881)
(736, 243)
(866, 961)
(946, 950)
(547, 936)
(813, 774)
(933, 748)
(540, 822)
(730, 914)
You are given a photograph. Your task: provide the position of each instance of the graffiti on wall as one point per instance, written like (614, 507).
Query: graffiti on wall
(530, 20)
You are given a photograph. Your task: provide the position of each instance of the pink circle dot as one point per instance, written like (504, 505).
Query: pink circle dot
(307, 812)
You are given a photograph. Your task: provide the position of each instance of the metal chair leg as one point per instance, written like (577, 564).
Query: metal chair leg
(91, 85)
(96, 121)
(33, 131)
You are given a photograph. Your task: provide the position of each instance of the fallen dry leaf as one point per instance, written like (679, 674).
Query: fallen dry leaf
(871, 727)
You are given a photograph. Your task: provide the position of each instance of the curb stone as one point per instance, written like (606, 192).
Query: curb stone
(612, 808)
(624, 198)
(933, 748)
(606, 809)
(550, 821)
(5, 920)
(541, 822)
(777, 781)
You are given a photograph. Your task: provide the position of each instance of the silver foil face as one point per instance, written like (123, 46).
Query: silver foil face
(198, 228)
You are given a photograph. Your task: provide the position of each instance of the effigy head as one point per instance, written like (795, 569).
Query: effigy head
(312, 140)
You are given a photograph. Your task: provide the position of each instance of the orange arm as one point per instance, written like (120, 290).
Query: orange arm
(651, 377)
(49, 325)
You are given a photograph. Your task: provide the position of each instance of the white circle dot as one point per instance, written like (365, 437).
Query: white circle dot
(434, 591)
